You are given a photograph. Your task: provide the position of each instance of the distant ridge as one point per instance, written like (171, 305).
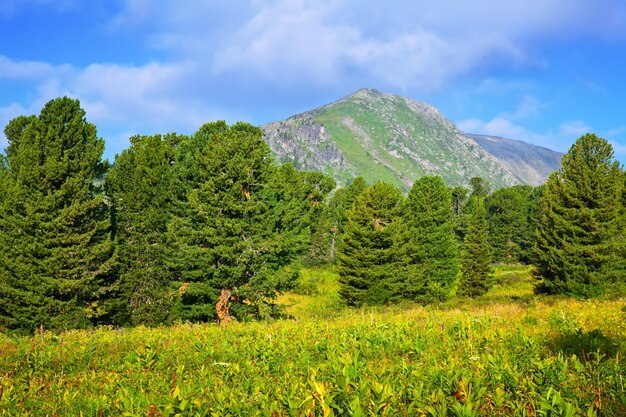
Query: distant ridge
(396, 139)
(530, 164)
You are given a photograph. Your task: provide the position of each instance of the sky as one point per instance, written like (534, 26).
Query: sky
(542, 71)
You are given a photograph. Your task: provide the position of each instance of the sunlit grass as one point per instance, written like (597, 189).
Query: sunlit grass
(506, 353)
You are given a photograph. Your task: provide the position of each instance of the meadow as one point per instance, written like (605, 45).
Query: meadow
(507, 353)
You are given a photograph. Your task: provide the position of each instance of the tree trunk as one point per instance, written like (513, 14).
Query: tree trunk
(222, 307)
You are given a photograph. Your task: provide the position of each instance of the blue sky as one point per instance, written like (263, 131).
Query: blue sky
(542, 71)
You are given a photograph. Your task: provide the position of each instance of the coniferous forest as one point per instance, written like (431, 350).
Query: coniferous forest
(195, 276)
(178, 225)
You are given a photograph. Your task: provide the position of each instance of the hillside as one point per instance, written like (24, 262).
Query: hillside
(529, 164)
(386, 137)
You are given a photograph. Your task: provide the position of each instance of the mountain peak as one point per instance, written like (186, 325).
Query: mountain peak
(366, 92)
(385, 137)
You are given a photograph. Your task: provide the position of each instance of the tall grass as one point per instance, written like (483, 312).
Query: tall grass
(508, 353)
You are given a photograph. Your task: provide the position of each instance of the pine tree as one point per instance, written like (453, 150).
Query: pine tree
(508, 219)
(55, 245)
(367, 254)
(476, 271)
(579, 241)
(140, 184)
(297, 201)
(429, 246)
(338, 207)
(227, 237)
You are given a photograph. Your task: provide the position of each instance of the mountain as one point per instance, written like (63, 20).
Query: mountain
(528, 163)
(389, 138)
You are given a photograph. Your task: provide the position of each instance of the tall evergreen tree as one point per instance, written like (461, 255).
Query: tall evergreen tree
(429, 246)
(297, 202)
(55, 245)
(476, 271)
(225, 230)
(509, 221)
(480, 188)
(580, 240)
(338, 207)
(140, 184)
(368, 254)
(459, 197)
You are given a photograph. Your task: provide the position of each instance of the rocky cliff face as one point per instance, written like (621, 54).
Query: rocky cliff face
(384, 137)
(306, 144)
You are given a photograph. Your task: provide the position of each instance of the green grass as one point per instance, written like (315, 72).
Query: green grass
(507, 353)
(360, 159)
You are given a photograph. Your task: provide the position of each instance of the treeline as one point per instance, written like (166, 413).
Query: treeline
(208, 227)
(433, 244)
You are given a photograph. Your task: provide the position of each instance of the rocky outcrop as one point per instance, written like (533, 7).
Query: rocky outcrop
(306, 144)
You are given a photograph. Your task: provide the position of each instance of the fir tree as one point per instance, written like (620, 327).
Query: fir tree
(367, 254)
(55, 245)
(580, 240)
(429, 246)
(476, 271)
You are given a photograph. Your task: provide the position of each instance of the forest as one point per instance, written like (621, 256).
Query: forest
(207, 227)
(193, 276)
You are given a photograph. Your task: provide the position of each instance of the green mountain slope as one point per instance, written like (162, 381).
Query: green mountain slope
(383, 137)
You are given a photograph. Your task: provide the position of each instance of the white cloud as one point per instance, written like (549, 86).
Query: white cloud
(421, 46)
(574, 129)
(286, 42)
(28, 70)
(150, 98)
(618, 131)
(305, 39)
(506, 124)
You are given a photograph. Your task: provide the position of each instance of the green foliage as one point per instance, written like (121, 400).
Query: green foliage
(429, 248)
(459, 197)
(333, 220)
(510, 213)
(368, 254)
(579, 246)
(140, 184)
(480, 187)
(238, 221)
(299, 211)
(56, 266)
(487, 360)
(476, 270)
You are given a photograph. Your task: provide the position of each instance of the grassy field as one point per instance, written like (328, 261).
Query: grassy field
(507, 353)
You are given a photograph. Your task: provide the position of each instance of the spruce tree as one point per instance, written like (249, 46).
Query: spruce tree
(368, 258)
(580, 240)
(429, 246)
(140, 184)
(476, 270)
(55, 245)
